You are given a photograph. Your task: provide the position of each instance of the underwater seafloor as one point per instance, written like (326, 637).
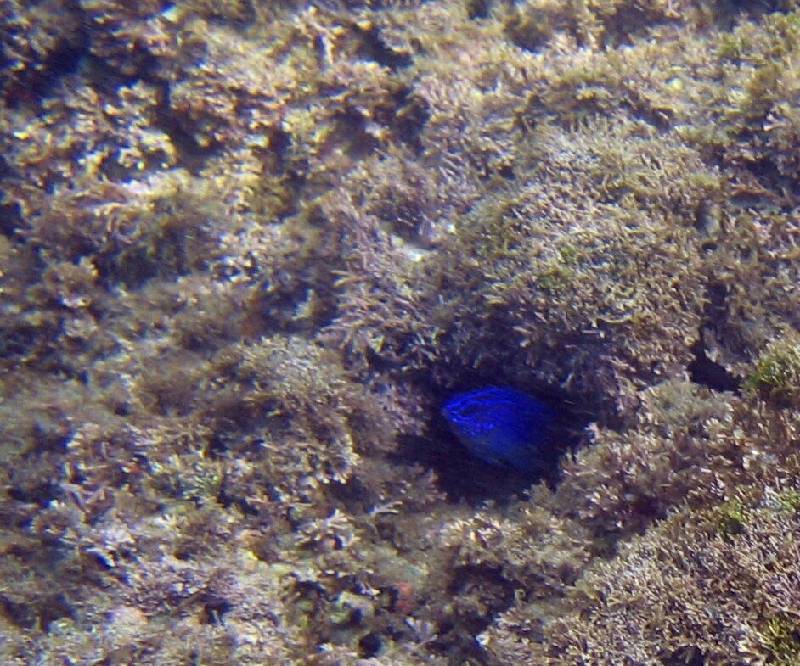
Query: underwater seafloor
(250, 248)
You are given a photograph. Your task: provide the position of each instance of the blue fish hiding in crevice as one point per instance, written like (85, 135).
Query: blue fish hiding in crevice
(503, 427)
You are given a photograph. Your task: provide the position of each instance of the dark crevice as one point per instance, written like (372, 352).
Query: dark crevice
(369, 646)
(214, 610)
(728, 12)
(241, 18)
(40, 81)
(491, 593)
(683, 656)
(478, 9)
(10, 220)
(105, 78)
(374, 48)
(41, 494)
(352, 124)
(191, 154)
(61, 62)
(280, 144)
(410, 120)
(708, 373)
(33, 615)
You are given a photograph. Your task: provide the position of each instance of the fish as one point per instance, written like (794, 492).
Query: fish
(503, 427)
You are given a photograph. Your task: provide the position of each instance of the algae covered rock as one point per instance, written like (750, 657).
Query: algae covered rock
(250, 249)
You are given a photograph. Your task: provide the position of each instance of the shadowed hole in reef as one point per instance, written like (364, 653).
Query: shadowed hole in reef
(708, 373)
(478, 9)
(689, 655)
(49, 608)
(464, 476)
(369, 646)
(214, 610)
(480, 593)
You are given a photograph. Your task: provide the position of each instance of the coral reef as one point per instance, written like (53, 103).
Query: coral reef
(249, 249)
(688, 590)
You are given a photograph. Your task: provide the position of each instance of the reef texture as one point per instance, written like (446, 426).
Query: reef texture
(249, 248)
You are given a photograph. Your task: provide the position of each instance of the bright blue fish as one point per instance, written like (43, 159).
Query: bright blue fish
(502, 426)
